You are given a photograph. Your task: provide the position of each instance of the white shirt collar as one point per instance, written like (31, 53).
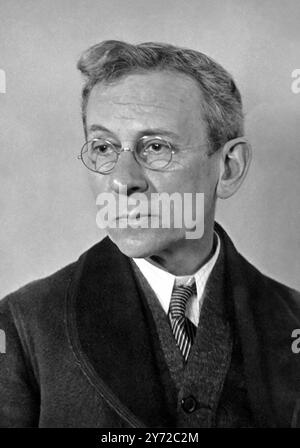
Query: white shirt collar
(162, 283)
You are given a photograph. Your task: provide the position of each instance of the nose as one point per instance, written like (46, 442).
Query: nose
(128, 176)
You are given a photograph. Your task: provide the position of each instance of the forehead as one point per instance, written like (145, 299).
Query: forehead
(156, 96)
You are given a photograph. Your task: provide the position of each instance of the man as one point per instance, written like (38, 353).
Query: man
(150, 328)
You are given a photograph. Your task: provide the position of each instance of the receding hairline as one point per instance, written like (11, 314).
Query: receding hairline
(192, 82)
(135, 71)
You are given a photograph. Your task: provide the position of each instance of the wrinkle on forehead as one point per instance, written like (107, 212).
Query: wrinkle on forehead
(138, 104)
(135, 108)
(149, 101)
(124, 117)
(155, 90)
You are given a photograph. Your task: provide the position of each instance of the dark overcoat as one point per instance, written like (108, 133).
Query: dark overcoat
(79, 351)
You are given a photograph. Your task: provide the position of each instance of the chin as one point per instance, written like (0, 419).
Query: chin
(142, 243)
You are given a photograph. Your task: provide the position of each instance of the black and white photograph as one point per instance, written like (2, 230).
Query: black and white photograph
(150, 215)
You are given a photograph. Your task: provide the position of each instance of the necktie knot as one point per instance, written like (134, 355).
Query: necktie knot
(179, 299)
(183, 329)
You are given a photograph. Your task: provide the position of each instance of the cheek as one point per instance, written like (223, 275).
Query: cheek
(207, 174)
(196, 178)
(180, 181)
(208, 181)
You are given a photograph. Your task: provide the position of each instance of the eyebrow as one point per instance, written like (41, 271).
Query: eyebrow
(98, 127)
(144, 132)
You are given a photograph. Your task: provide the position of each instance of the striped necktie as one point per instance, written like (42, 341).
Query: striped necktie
(183, 329)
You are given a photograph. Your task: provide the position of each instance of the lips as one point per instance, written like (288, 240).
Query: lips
(137, 220)
(133, 217)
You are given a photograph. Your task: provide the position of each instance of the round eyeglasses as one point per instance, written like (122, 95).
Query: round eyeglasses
(100, 155)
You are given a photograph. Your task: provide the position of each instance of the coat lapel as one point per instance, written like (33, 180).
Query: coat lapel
(110, 335)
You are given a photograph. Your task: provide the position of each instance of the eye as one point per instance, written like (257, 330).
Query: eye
(156, 147)
(101, 148)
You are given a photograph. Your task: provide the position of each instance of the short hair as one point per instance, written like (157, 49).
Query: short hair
(110, 60)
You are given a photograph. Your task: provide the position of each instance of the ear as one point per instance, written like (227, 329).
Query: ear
(234, 164)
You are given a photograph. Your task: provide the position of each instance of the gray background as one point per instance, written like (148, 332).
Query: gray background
(47, 211)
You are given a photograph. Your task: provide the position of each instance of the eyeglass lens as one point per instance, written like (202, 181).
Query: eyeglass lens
(101, 155)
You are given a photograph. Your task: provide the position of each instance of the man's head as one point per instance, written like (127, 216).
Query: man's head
(109, 61)
(177, 95)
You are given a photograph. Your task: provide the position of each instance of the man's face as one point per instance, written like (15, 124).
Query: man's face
(169, 105)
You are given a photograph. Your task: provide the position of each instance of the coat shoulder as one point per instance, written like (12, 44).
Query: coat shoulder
(268, 291)
(270, 283)
(46, 296)
(41, 293)
(263, 292)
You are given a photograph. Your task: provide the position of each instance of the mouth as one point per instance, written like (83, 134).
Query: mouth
(134, 218)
